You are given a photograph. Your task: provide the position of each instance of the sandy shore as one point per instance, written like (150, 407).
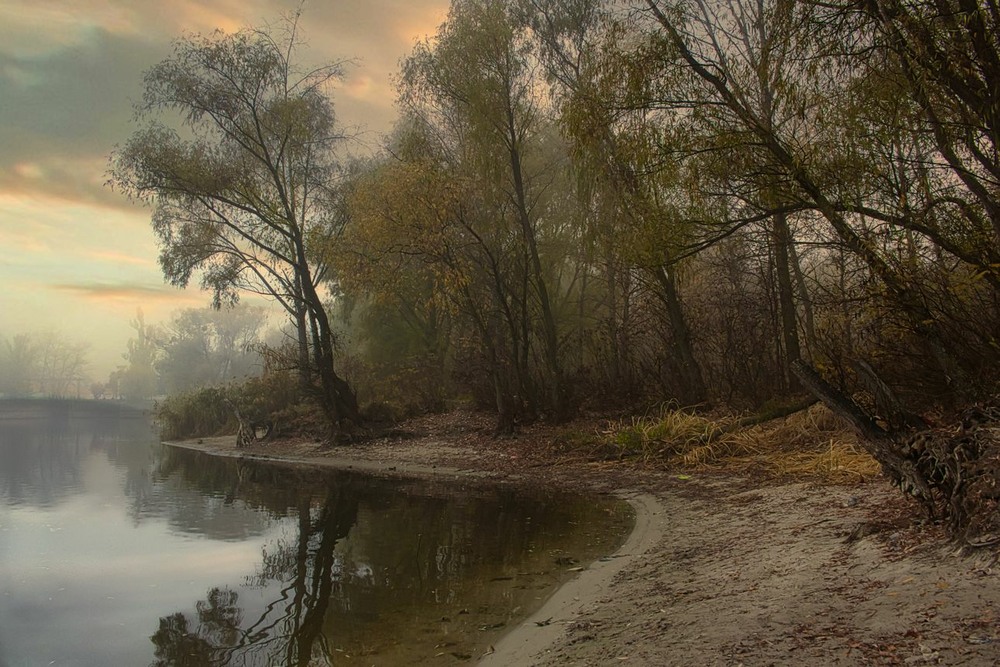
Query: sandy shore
(725, 571)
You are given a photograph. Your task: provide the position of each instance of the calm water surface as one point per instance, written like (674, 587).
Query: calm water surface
(115, 550)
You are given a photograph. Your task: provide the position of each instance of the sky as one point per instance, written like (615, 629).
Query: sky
(77, 258)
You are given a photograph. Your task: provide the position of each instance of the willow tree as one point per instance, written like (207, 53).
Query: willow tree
(241, 191)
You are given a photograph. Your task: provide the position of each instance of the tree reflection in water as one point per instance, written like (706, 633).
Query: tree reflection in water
(290, 630)
(219, 620)
(402, 570)
(43, 443)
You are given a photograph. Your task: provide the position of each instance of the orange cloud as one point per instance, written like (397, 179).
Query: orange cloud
(116, 293)
(121, 258)
(359, 86)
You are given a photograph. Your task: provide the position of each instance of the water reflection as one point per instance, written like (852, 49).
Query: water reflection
(119, 551)
(43, 444)
(394, 571)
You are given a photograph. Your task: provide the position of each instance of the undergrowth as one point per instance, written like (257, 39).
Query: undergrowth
(208, 412)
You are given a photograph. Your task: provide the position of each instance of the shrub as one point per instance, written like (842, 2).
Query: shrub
(208, 411)
(196, 413)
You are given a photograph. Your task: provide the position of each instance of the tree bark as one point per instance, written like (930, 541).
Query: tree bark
(550, 338)
(781, 240)
(692, 382)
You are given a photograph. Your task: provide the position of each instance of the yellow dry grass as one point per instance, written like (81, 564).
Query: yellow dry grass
(812, 444)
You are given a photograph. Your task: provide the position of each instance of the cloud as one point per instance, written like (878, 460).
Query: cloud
(129, 293)
(61, 113)
(31, 27)
(71, 180)
(121, 258)
(62, 234)
(70, 72)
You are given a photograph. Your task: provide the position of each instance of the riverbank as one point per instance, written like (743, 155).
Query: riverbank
(721, 569)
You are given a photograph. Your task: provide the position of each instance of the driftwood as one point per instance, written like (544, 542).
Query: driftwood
(757, 418)
(250, 431)
(771, 414)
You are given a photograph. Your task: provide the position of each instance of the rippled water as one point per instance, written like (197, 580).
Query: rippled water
(116, 550)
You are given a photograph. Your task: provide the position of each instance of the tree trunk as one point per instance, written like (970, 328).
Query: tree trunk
(803, 298)
(336, 397)
(908, 300)
(550, 338)
(781, 239)
(693, 387)
(302, 331)
(876, 441)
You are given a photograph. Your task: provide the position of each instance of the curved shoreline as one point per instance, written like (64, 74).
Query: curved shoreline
(538, 633)
(542, 630)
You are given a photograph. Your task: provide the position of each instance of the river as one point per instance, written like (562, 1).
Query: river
(117, 550)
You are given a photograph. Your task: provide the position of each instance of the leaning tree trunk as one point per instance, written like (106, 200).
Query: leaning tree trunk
(781, 239)
(951, 470)
(878, 442)
(337, 397)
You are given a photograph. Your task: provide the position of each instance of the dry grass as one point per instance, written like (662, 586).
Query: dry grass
(668, 433)
(812, 444)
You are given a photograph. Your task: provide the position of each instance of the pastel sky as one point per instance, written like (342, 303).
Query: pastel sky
(77, 258)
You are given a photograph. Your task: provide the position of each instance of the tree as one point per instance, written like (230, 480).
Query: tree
(397, 296)
(603, 80)
(203, 347)
(705, 42)
(948, 53)
(477, 79)
(137, 380)
(42, 362)
(61, 365)
(244, 195)
(424, 237)
(18, 362)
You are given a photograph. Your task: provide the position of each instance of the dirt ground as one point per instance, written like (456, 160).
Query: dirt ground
(722, 569)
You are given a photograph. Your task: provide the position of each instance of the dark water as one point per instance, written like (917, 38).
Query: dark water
(115, 550)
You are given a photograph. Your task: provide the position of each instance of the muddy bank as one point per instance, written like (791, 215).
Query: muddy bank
(724, 571)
